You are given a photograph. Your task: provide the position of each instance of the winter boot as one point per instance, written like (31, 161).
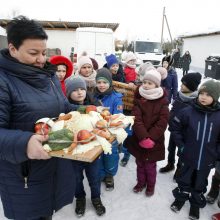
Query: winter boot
(138, 188)
(194, 212)
(213, 193)
(80, 207)
(109, 183)
(124, 162)
(169, 167)
(149, 191)
(97, 204)
(216, 216)
(177, 205)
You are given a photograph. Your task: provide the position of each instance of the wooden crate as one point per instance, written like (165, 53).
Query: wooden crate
(128, 94)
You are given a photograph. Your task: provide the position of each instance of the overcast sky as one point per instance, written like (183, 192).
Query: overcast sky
(137, 18)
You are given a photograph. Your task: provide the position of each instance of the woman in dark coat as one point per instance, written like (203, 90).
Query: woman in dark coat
(186, 60)
(31, 183)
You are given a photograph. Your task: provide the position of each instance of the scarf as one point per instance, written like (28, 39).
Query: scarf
(186, 97)
(131, 66)
(90, 80)
(151, 94)
(100, 95)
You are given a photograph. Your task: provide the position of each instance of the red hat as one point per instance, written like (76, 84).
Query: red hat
(59, 60)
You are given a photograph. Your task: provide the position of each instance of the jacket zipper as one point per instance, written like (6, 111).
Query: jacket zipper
(198, 129)
(210, 132)
(202, 144)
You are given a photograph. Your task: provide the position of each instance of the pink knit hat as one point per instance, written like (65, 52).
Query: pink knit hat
(163, 72)
(84, 60)
(152, 75)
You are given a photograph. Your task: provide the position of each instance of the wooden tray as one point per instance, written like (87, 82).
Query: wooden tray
(88, 156)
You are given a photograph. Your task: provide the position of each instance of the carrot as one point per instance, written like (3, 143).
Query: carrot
(74, 144)
(64, 117)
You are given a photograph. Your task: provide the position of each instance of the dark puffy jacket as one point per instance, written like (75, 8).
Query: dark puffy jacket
(171, 84)
(151, 118)
(197, 132)
(28, 93)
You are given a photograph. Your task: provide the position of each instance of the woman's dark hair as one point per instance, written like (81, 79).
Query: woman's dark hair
(21, 28)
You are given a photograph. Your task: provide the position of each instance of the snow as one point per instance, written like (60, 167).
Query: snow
(122, 203)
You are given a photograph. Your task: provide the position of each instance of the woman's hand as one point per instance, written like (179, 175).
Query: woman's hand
(35, 148)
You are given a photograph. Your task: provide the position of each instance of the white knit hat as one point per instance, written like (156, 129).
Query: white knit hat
(84, 60)
(130, 56)
(143, 68)
(152, 75)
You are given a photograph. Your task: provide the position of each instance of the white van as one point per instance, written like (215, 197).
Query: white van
(97, 42)
(146, 50)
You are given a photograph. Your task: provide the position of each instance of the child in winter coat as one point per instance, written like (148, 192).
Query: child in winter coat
(147, 142)
(77, 94)
(64, 69)
(196, 132)
(115, 68)
(129, 69)
(171, 81)
(188, 91)
(109, 98)
(85, 70)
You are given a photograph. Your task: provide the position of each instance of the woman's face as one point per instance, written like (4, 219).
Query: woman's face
(102, 85)
(147, 84)
(165, 64)
(61, 72)
(205, 99)
(31, 52)
(86, 70)
(78, 95)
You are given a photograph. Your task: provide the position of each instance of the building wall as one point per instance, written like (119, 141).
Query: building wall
(200, 48)
(62, 39)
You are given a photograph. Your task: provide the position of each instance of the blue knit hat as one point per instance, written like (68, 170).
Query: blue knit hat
(111, 59)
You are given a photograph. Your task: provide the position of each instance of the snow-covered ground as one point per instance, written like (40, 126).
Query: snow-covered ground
(123, 204)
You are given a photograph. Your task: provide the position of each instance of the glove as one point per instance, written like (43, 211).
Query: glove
(147, 143)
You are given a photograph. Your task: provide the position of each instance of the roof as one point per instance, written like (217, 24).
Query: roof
(67, 25)
(201, 34)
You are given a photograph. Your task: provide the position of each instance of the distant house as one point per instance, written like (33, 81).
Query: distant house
(62, 34)
(200, 46)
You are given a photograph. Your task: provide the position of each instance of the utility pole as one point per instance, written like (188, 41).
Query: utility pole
(165, 18)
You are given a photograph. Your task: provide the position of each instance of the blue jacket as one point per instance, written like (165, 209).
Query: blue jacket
(28, 93)
(171, 84)
(197, 132)
(114, 101)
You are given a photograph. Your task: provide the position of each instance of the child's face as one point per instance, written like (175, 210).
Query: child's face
(165, 64)
(102, 85)
(78, 95)
(114, 68)
(132, 62)
(61, 72)
(184, 89)
(205, 99)
(86, 70)
(147, 84)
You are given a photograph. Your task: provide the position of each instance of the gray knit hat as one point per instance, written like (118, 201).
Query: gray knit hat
(212, 87)
(73, 83)
(105, 75)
